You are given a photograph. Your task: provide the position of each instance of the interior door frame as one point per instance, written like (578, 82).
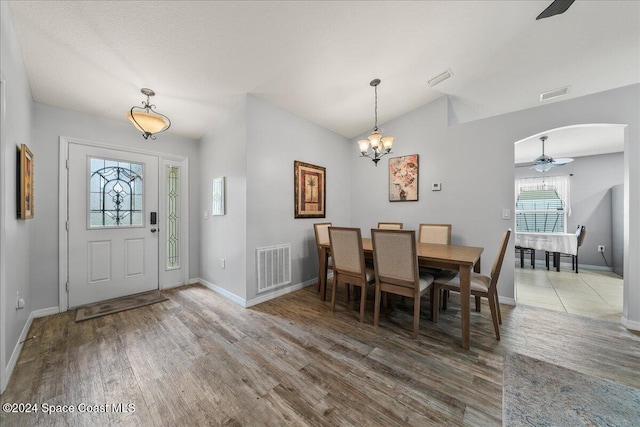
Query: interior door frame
(63, 210)
(3, 192)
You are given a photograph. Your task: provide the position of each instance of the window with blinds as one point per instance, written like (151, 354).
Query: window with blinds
(541, 206)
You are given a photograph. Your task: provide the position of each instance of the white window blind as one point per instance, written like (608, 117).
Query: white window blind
(542, 204)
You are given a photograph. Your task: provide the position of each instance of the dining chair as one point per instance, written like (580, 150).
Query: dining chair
(440, 234)
(396, 270)
(481, 285)
(435, 233)
(581, 233)
(321, 230)
(390, 225)
(349, 267)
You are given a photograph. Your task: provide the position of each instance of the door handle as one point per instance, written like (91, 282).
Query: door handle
(153, 230)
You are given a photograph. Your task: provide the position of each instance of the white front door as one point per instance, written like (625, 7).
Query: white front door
(113, 223)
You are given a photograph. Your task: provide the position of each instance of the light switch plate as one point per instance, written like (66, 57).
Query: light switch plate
(506, 213)
(435, 186)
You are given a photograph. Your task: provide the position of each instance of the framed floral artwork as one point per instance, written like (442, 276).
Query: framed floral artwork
(309, 190)
(403, 178)
(26, 183)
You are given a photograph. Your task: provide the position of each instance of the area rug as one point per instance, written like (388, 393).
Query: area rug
(540, 394)
(116, 305)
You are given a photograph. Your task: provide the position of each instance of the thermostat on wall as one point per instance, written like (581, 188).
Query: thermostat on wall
(435, 186)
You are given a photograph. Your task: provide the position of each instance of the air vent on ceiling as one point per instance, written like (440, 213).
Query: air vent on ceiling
(440, 78)
(554, 93)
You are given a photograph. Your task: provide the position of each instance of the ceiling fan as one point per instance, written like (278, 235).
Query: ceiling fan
(543, 163)
(555, 8)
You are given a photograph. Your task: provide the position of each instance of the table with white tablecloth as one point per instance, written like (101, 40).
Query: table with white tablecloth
(556, 243)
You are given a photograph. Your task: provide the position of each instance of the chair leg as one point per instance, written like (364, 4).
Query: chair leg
(363, 300)
(546, 259)
(436, 304)
(416, 315)
(333, 294)
(521, 257)
(376, 307)
(576, 263)
(494, 314)
(498, 309)
(533, 259)
(478, 305)
(445, 298)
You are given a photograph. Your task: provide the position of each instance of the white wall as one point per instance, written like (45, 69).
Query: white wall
(16, 232)
(49, 124)
(474, 163)
(223, 152)
(593, 177)
(275, 139)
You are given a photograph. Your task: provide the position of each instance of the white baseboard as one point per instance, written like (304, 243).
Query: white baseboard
(194, 280)
(44, 312)
(507, 300)
(18, 348)
(630, 324)
(279, 292)
(225, 293)
(258, 299)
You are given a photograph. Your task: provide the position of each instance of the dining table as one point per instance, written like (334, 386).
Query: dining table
(555, 243)
(463, 259)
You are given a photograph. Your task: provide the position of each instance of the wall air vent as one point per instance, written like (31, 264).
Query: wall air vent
(273, 265)
(556, 93)
(440, 78)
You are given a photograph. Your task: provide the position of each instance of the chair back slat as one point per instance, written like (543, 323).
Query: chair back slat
(435, 233)
(497, 263)
(582, 235)
(394, 254)
(346, 249)
(321, 230)
(390, 225)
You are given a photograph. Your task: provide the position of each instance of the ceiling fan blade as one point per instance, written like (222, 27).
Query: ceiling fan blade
(525, 165)
(555, 8)
(562, 161)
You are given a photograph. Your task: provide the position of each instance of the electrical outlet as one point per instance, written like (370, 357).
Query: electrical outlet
(222, 263)
(601, 248)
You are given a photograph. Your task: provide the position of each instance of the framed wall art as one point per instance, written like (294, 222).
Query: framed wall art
(26, 183)
(403, 178)
(309, 190)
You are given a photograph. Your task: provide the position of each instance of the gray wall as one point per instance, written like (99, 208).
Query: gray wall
(255, 147)
(617, 228)
(16, 232)
(474, 163)
(49, 124)
(593, 177)
(275, 138)
(223, 152)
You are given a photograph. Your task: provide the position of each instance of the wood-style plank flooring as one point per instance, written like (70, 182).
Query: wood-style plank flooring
(199, 359)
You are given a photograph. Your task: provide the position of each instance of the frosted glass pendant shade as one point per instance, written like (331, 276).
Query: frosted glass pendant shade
(148, 122)
(364, 145)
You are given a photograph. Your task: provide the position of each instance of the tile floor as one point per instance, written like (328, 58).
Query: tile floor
(591, 293)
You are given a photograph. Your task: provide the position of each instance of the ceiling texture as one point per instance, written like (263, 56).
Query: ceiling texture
(316, 58)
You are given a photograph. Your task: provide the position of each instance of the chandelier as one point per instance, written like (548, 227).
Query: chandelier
(146, 119)
(376, 145)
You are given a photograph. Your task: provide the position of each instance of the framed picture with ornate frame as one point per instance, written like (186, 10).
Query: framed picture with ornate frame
(403, 178)
(309, 190)
(26, 206)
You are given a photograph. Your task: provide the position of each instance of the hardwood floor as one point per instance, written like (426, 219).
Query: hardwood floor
(199, 359)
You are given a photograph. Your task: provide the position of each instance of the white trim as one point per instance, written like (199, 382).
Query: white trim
(174, 285)
(507, 301)
(63, 208)
(254, 301)
(281, 291)
(630, 324)
(194, 280)
(18, 348)
(44, 312)
(4, 379)
(225, 293)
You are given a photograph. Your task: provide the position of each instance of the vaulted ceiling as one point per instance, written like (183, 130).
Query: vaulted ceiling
(315, 59)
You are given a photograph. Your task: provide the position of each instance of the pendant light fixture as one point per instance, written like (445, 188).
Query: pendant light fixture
(146, 119)
(376, 145)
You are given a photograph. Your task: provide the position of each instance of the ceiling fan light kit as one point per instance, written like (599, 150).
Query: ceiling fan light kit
(544, 163)
(376, 145)
(146, 119)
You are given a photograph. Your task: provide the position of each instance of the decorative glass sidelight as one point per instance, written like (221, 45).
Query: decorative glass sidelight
(173, 217)
(116, 193)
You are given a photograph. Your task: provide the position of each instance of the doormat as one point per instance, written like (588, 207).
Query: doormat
(540, 394)
(116, 305)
